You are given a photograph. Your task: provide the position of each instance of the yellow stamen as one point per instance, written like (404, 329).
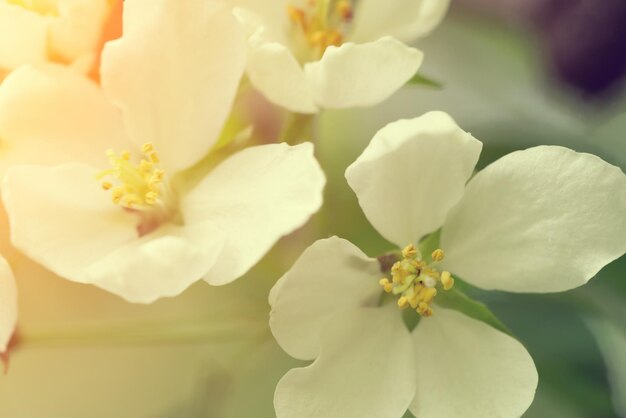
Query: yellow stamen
(140, 185)
(319, 25)
(446, 280)
(415, 282)
(387, 286)
(344, 9)
(438, 255)
(409, 251)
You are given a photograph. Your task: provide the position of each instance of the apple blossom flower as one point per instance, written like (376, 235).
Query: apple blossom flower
(305, 55)
(8, 304)
(545, 219)
(158, 227)
(43, 31)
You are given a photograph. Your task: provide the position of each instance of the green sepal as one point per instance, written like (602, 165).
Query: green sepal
(459, 301)
(423, 81)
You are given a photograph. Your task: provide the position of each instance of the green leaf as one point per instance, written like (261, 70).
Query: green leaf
(459, 301)
(421, 80)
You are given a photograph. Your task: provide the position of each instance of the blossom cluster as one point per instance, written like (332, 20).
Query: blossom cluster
(120, 169)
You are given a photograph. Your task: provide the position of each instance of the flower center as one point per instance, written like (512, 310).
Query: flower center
(415, 281)
(320, 24)
(136, 186)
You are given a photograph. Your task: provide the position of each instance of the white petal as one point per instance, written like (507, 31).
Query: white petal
(77, 29)
(365, 370)
(160, 264)
(271, 14)
(174, 74)
(361, 75)
(330, 275)
(546, 219)
(255, 197)
(23, 38)
(467, 369)
(412, 173)
(8, 304)
(406, 20)
(50, 115)
(61, 218)
(276, 73)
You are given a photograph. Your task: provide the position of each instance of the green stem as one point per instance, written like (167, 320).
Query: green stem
(298, 128)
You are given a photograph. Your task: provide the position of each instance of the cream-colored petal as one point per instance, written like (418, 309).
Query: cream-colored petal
(51, 115)
(255, 197)
(412, 173)
(331, 275)
(546, 219)
(160, 264)
(61, 218)
(361, 74)
(174, 74)
(8, 304)
(271, 14)
(467, 369)
(78, 28)
(406, 20)
(23, 37)
(276, 73)
(365, 370)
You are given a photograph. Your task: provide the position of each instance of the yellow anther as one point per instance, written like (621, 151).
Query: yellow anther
(147, 148)
(447, 280)
(344, 9)
(409, 251)
(438, 255)
(427, 294)
(125, 155)
(151, 198)
(106, 185)
(384, 282)
(117, 194)
(424, 309)
(320, 26)
(403, 302)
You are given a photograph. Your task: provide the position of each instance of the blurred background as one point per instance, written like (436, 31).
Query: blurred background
(515, 73)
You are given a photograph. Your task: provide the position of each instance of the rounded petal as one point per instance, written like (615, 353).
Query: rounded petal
(276, 73)
(51, 115)
(467, 369)
(77, 29)
(365, 370)
(8, 304)
(361, 75)
(406, 20)
(331, 275)
(23, 38)
(160, 264)
(61, 218)
(546, 219)
(174, 74)
(255, 197)
(412, 173)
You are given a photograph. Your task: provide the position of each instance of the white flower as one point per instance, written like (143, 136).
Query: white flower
(310, 54)
(173, 75)
(61, 31)
(8, 304)
(541, 220)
